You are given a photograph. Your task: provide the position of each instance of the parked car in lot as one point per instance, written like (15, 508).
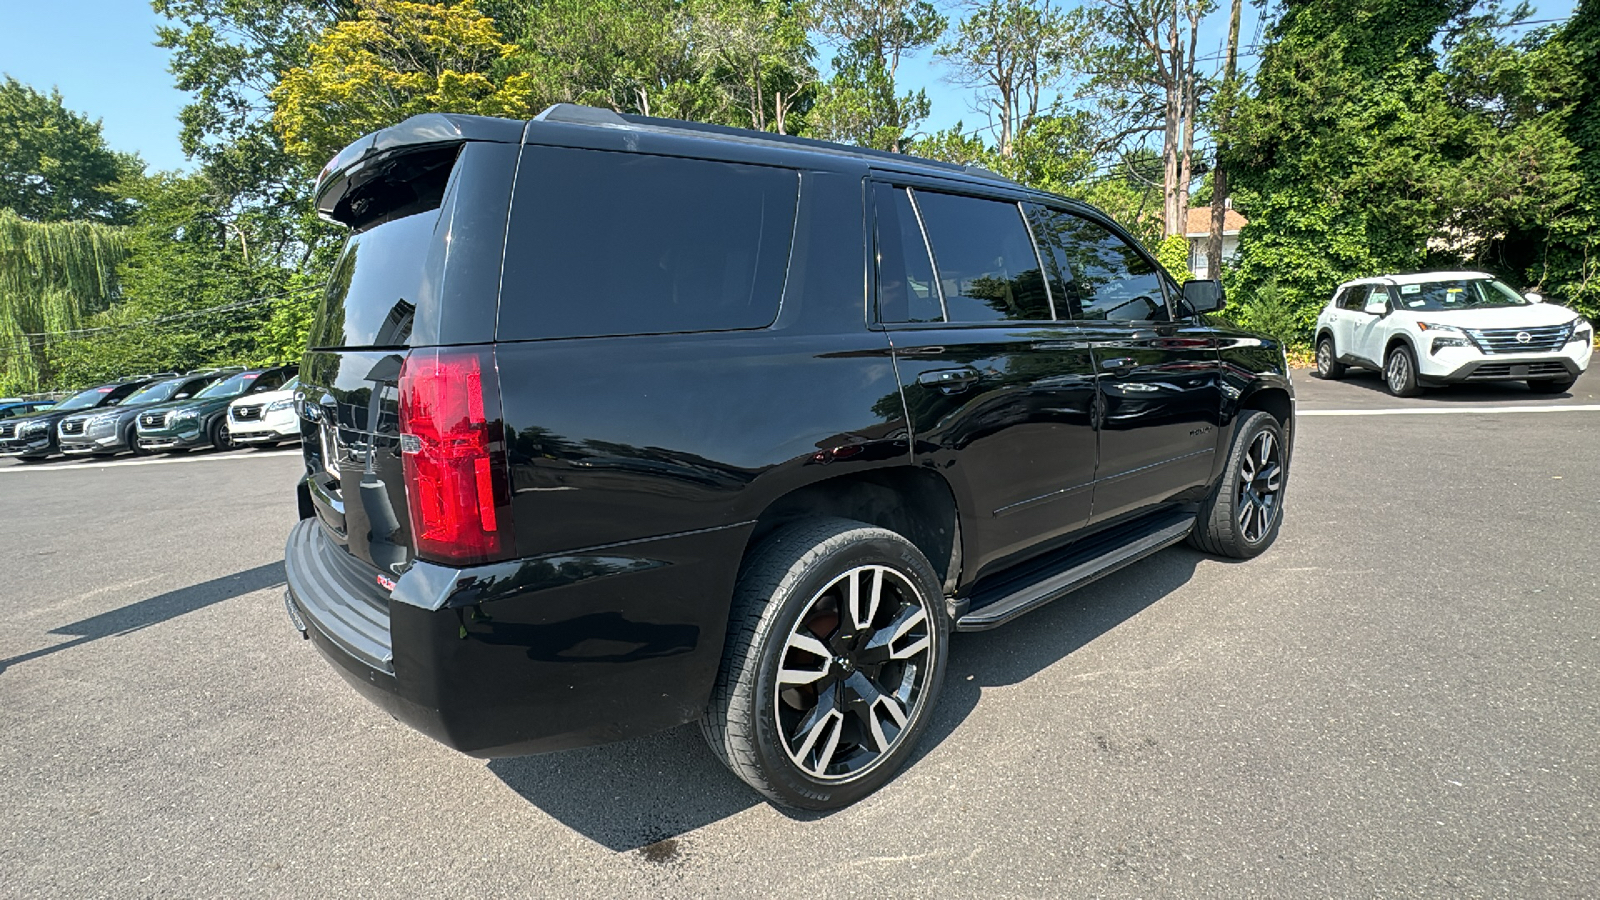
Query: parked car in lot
(695, 423)
(1437, 328)
(265, 419)
(110, 431)
(34, 436)
(202, 421)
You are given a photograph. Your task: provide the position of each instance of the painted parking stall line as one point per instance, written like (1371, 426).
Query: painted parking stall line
(1449, 410)
(179, 460)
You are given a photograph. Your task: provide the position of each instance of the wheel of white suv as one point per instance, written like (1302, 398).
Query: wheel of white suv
(835, 656)
(1328, 365)
(1242, 516)
(1400, 372)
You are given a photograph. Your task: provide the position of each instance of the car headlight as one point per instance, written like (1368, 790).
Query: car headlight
(179, 415)
(276, 405)
(102, 419)
(33, 428)
(1444, 329)
(1582, 332)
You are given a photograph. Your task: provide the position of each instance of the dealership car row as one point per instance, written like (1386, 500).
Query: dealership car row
(222, 408)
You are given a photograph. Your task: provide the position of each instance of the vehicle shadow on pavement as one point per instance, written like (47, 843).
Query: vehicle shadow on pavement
(158, 609)
(641, 793)
(1484, 392)
(1019, 650)
(633, 794)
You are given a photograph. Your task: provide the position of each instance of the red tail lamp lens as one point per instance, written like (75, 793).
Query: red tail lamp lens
(453, 451)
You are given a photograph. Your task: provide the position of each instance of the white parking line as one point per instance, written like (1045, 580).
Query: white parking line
(1448, 410)
(117, 464)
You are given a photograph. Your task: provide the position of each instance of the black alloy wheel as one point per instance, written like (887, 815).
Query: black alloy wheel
(854, 668)
(1242, 516)
(835, 656)
(1328, 365)
(1260, 487)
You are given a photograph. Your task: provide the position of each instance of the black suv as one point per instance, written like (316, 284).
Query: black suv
(614, 423)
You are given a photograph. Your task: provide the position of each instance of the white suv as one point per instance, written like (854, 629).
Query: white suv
(265, 420)
(1451, 327)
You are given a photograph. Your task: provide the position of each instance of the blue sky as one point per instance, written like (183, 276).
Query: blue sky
(101, 55)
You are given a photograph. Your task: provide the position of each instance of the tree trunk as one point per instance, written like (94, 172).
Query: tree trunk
(1219, 177)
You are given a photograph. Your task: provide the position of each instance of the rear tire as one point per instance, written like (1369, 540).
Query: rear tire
(1242, 516)
(1559, 386)
(1400, 372)
(1328, 366)
(835, 656)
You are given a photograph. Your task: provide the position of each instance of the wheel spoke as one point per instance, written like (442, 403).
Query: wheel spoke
(789, 673)
(864, 609)
(888, 708)
(1264, 454)
(1273, 476)
(883, 645)
(819, 734)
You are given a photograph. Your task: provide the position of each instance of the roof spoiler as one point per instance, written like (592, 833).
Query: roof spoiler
(365, 157)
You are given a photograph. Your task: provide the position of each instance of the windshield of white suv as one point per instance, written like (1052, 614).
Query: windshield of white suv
(1453, 294)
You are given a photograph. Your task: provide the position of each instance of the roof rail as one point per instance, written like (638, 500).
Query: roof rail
(573, 114)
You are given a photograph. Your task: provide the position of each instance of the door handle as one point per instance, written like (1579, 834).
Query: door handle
(1117, 363)
(949, 381)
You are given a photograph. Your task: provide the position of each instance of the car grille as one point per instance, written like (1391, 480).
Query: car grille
(72, 426)
(153, 420)
(245, 413)
(1510, 340)
(8, 430)
(1506, 370)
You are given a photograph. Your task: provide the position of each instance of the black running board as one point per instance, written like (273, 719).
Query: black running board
(1072, 570)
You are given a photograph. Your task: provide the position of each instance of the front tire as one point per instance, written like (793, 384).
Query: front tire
(1559, 386)
(1242, 516)
(835, 657)
(132, 437)
(1400, 372)
(220, 438)
(1328, 366)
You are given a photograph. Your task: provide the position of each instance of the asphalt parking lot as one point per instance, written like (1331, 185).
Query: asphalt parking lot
(1399, 699)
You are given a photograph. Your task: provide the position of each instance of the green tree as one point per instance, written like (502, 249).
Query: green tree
(861, 103)
(395, 59)
(53, 275)
(1008, 52)
(54, 163)
(1363, 150)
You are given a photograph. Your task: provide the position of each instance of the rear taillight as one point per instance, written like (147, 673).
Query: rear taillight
(453, 450)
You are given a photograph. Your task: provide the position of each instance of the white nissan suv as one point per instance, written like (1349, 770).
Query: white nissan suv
(1451, 327)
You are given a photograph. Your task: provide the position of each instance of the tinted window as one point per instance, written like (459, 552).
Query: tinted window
(1355, 298)
(619, 243)
(906, 292)
(1103, 276)
(372, 293)
(985, 260)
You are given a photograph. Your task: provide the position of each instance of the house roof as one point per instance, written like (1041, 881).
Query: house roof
(1199, 224)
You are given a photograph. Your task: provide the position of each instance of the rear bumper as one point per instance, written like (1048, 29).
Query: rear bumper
(528, 656)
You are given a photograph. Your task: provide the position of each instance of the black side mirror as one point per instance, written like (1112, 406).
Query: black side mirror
(1203, 296)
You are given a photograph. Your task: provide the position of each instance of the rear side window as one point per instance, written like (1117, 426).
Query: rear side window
(1356, 298)
(988, 270)
(618, 243)
(1105, 277)
(906, 292)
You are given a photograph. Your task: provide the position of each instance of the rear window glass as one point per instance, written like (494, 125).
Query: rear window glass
(617, 243)
(373, 290)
